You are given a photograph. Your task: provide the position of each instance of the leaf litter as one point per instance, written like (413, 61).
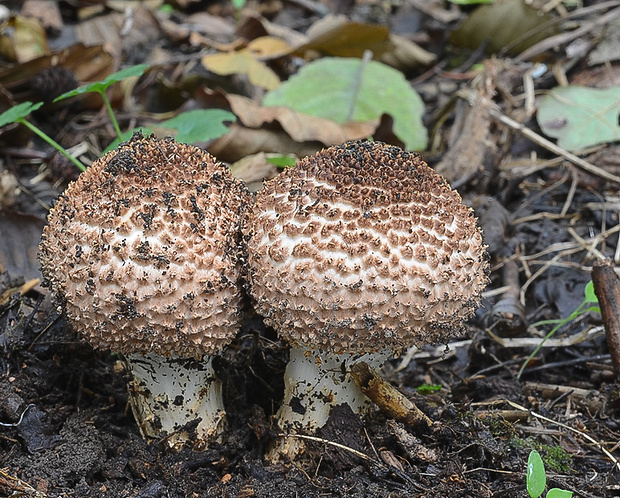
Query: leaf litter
(548, 204)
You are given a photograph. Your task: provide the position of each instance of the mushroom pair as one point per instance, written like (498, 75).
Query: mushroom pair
(357, 252)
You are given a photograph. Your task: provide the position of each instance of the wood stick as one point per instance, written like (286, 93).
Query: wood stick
(607, 289)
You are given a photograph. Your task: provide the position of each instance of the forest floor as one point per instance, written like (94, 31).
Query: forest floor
(549, 217)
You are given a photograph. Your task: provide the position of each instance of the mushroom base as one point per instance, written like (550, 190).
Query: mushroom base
(314, 382)
(167, 394)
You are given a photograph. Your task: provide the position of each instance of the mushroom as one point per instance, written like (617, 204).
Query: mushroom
(142, 252)
(355, 253)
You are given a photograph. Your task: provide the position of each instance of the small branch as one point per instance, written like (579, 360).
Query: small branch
(385, 396)
(550, 146)
(607, 289)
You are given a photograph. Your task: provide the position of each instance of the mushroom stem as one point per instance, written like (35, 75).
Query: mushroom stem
(168, 393)
(314, 382)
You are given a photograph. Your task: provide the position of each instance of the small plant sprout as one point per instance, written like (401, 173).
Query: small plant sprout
(101, 88)
(588, 304)
(18, 114)
(536, 479)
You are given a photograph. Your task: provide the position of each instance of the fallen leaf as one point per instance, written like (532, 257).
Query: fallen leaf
(337, 36)
(242, 62)
(580, 117)
(501, 24)
(301, 127)
(46, 12)
(22, 39)
(346, 90)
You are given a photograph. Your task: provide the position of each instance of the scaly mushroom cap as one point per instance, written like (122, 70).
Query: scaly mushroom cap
(143, 250)
(363, 247)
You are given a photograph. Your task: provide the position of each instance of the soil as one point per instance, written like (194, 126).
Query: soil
(66, 428)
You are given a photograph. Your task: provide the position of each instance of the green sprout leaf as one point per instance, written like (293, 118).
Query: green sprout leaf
(17, 113)
(102, 86)
(559, 493)
(282, 161)
(428, 388)
(536, 480)
(590, 296)
(348, 89)
(200, 125)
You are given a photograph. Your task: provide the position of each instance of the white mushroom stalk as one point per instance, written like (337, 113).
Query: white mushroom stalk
(166, 394)
(359, 248)
(143, 254)
(315, 381)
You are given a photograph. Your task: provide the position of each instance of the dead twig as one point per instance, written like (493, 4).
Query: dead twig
(607, 289)
(389, 399)
(550, 146)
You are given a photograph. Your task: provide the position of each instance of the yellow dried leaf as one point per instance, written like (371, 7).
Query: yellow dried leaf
(269, 46)
(242, 62)
(25, 41)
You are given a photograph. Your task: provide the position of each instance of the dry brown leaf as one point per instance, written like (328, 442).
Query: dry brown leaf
(406, 54)
(337, 36)
(253, 169)
(22, 39)
(44, 11)
(241, 141)
(301, 127)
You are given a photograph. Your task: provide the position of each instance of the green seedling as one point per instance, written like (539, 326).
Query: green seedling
(18, 114)
(199, 125)
(282, 161)
(428, 388)
(585, 307)
(101, 88)
(536, 479)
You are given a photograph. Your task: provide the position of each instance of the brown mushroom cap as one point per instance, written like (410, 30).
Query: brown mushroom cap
(363, 247)
(143, 250)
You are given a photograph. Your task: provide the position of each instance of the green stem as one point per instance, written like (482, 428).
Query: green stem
(106, 101)
(54, 144)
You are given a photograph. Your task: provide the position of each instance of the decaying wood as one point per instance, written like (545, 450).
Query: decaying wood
(386, 396)
(465, 157)
(607, 289)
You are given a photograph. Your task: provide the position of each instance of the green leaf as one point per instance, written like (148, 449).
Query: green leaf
(559, 493)
(428, 388)
(502, 25)
(282, 161)
(348, 89)
(238, 4)
(102, 86)
(588, 292)
(536, 479)
(18, 112)
(580, 117)
(200, 125)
